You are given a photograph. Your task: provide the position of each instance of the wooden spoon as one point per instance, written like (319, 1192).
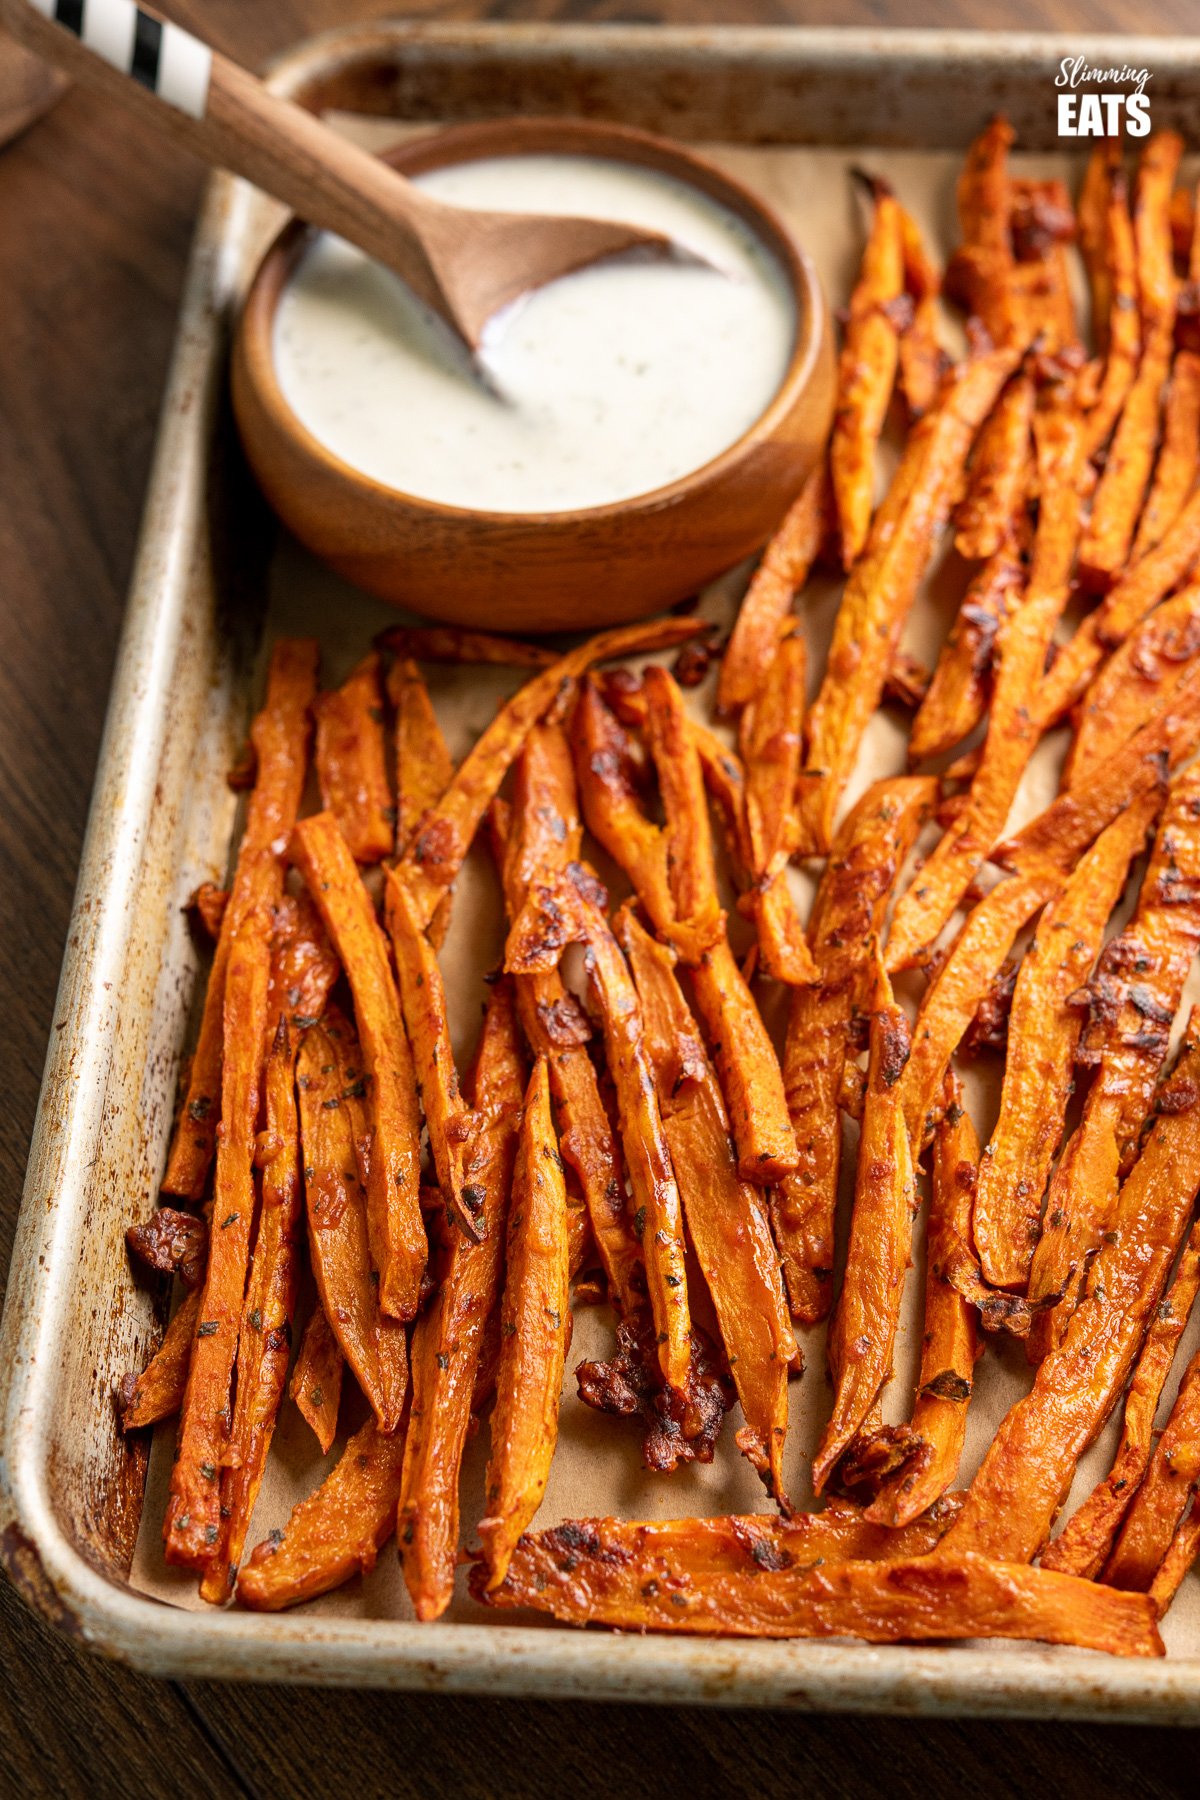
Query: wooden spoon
(463, 264)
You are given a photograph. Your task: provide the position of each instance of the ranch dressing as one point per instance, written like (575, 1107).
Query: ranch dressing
(604, 385)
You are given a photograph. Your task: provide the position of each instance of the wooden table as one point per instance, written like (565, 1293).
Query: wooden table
(96, 220)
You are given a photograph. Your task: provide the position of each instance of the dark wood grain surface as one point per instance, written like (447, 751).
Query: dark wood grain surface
(94, 226)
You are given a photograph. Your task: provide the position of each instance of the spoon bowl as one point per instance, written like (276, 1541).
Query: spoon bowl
(541, 571)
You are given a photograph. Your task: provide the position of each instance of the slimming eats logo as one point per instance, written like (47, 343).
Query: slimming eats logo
(1085, 112)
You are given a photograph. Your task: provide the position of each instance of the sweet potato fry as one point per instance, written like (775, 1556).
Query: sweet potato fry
(157, 1393)
(535, 1324)
(724, 776)
(1058, 835)
(863, 1331)
(1137, 593)
(729, 1544)
(867, 370)
(949, 1346)
(1135, 681)
(783, 571)
(1013, 727)
(544, 839)
(423, 766)
(999, 474)
(573, 912)
(1079, 1208)
(1107, 539)
(1029, 1466)
(884, 582)
(1043, 1032)
(604, 765)
(770, 746)
(981, 271)
(769, 740)
(1042, 224)
(726, 1217)
(280, 735)
(448, 1339)
(454, 644)
(316, 1385)
(265, 1340)
(423, 1000)
(591, 1573)
(1185, 1547)
(192, 1527)
(352, 762)
(956, 698)
(1131, 1000)
(1178, 456)
(950, 1002)
(1083, 1546)
(335, 1127)
(922, 360)
(672, 869)
(1105, 544)
(1158, 166)
(1161, 1501)
(851, 904)
(747, 1065)
(697, 916)
(1122, 322)
(1095, 197)
(398, 1244)
(433, 858)
(335, 1533)
(304, 966)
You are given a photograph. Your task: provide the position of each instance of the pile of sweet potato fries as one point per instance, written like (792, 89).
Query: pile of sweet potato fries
(630, 1131)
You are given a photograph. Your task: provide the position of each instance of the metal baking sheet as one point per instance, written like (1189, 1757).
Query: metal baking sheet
(789, 111)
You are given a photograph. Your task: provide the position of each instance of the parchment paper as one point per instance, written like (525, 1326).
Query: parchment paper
(597, 1468)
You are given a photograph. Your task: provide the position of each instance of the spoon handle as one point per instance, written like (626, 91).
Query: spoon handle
(226, 116)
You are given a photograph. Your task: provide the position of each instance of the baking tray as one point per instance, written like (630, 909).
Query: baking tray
(211, 583)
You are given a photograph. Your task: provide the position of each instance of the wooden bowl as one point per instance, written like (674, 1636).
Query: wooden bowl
(541, 571)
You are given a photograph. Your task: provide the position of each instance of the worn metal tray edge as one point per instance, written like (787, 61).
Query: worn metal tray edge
(37, 1553)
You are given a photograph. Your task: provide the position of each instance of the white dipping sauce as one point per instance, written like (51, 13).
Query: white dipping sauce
(609, 383)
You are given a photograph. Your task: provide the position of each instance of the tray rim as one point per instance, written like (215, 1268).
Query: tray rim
(307, 1647)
